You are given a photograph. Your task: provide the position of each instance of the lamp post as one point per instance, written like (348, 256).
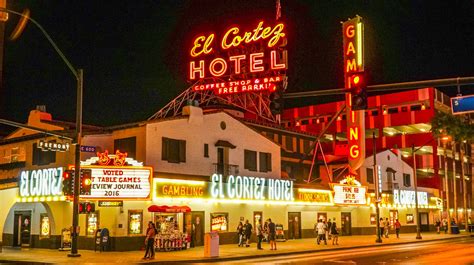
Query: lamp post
(377, 192)
(415, 178)
(446, 182)
(78, 74)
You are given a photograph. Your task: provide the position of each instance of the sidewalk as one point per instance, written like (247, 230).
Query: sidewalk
(227, 252)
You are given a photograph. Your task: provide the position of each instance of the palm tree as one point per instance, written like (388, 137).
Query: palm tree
(461, 131)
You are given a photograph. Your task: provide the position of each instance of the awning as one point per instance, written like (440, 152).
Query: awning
(168, 209)
(224, 143)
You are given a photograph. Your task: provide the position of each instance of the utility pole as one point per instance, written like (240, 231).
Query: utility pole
(415, 180)
(446, 185)
(455, 199)
(377, 192)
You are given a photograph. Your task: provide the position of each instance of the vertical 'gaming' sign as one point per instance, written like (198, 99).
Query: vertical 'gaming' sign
(255, 58)
(353, 45)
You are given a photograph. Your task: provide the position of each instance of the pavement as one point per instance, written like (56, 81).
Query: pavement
(226, 252)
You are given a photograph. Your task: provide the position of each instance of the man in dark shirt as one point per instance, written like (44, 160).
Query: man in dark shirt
(248, 232)
(272, 234)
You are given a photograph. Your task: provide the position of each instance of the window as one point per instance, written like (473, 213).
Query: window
(304, 122)
(135, 222)
(265, 160)
(373, 219)
(43, 157)
(406, 180)
(289, 143)
(370, 175)
(172, 150)
(392, 110)
(92, 223)
(415, 107)
(206, 150)
(410, 219)
(15, 152)
(375, 113)
(219, 222)
(250, 160)
(128, 145)
(391, 174)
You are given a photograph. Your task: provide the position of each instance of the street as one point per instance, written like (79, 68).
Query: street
(458, 251)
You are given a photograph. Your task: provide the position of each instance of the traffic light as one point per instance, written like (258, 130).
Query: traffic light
(358, 89)
(276, 100)
(86, 182)
(68, 183)
(86, 207)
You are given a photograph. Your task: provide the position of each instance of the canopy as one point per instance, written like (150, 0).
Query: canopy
(168, 209)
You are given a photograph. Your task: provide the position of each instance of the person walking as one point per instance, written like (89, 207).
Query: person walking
(397, 228)
(328, 234)
(259, 234)
(240, 234)
(381, 225)
(334, 232)
(438, 226)
(248, 232)
(321, 228)
(469, 224)
(265, 231)
(150, 241)
(386, 227)
(272, 234)
(445, 225)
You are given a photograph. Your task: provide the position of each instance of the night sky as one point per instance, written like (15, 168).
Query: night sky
(135, 53)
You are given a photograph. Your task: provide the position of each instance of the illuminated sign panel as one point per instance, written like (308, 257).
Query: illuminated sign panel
(346, 194)
(251, 188)
(315, 196)
(41, 182)
(407, 197)
(354, 62)
(238, 52)
(120, 182)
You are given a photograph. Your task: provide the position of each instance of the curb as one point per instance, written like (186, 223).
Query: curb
(269, 255)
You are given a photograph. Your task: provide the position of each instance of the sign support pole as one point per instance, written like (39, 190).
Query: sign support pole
(377, 193)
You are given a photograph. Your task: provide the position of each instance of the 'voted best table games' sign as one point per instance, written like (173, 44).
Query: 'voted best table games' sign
(118, 177)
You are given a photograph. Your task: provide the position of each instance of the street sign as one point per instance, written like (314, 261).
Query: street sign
(88, 149)
(462, 105)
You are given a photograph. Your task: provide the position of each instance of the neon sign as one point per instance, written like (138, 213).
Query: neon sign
(251, 188)
(407, 197)
(256, 62)
(349, 191)
(354, 62)
(41, 182)
(239, 86)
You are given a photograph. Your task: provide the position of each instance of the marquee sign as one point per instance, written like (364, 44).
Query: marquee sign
(117, 177)
(354, 62)
(349, 192)
(407, 197)
(238, 52)
(41, 182)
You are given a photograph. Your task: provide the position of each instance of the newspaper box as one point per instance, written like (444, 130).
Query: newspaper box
(211, 245)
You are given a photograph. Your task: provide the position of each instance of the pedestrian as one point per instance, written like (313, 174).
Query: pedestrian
(272, 234)
(248, 232)
(438, 226)
(445, 225)
(381, 225)
(265, 231)
(334, 232)
(328, 234)
(240, 234)
(386, 227)
(469, 224)
(150, 241)
(321, 228)
(259, 234)
(397, 228)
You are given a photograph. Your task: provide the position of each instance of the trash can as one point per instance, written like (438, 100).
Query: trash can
(454, 229)
(211, 245)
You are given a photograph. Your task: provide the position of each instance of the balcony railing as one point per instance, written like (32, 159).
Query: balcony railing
(12, 165)
(226, 169)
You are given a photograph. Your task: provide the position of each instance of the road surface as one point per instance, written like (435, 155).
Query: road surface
(459, 251)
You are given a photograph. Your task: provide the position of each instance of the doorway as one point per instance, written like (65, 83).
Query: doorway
(294, 225)
(424, 222)
(346, 224)
(197, 228)
(220, 161)
(22, 229)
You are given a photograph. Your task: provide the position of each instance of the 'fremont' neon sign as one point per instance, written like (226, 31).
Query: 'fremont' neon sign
(235, 64)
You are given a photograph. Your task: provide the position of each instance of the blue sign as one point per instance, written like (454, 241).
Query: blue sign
(460, 105)
(88, 149)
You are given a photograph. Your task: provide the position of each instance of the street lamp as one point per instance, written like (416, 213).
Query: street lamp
(78, 74)
(415, 179)
(445, 139)
(377, 193)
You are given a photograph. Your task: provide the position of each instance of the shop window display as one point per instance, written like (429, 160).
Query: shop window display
(220, 222)
(170, 235)
(92, 223)
(45, 226)
(135, 222)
